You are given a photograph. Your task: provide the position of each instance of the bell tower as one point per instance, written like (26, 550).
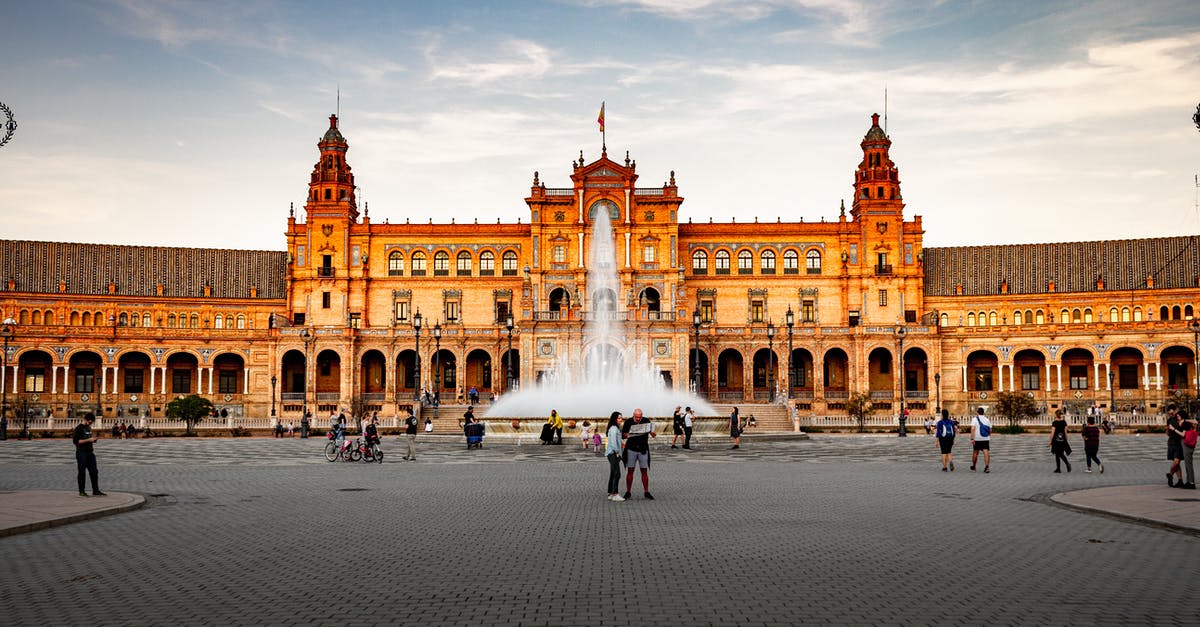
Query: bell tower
(877, 180)
(331, 187)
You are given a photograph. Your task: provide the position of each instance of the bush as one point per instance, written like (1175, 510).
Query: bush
(240, 432)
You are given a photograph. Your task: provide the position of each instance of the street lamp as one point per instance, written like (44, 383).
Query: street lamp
(1112, 391)
(1194, 326)
(696, 352)
(437, 364)
(307, 337)
(937, 381)
(416, 323)
(7, 330)
(790, 319)
(771, 362)
(508, 324)
(900, 333)
(274, 380)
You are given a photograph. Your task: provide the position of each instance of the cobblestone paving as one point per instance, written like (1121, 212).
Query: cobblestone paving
(838, 529)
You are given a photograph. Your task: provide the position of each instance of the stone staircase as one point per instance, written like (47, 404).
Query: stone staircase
(771, 417)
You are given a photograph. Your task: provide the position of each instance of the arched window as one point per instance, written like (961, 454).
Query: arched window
(1174, 313)
(1041, 317)
(945, 320)
(722, 262)
(1076, 316)
(195, 321)
(1125, 314)
(135, 320)
(509, 263)
(487, 263)
(1164, 313)
(396, 263)
(699, 262)
(812, 262)
(971, 319)
(49, 319)
(1087, 315)
(1113, 314)
(1028, 316)
(745, 262)
(418, 263)
(1064, 316)
(992, 319)
(74, 318)
(145, 319)
(1137, 314)
(241, 322)
(441, 263)
(23, 318)
(1187, 312)
(37, 316)
(98, 319)
(791, 262)
(170, 321)
(464, 263)
(766, 262)
(123, 320)
(1018, 317)
(218, 322)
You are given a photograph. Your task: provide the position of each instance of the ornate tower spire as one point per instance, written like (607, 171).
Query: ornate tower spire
(331, 187)
(877, 180)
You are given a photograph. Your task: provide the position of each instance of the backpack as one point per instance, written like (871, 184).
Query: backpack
(985, 430)
(1190, 437)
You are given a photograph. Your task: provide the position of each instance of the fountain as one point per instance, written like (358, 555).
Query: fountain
(613, 374)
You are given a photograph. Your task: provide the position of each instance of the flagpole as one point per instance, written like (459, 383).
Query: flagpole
(603, 135)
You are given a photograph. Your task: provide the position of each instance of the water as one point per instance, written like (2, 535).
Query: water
(613, 374)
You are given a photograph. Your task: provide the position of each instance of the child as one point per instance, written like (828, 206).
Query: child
(585, 434)
(597, 443)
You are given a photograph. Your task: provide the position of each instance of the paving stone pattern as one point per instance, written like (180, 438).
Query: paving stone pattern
(838, 529)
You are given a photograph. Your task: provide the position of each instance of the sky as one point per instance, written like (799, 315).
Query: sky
(196, 123)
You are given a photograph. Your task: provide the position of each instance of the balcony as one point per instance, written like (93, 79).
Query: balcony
(918, 394)
(882, 395)
(837, 395)
(619, 316)
(883, 269)
(324, 271)
(291, 396)
(542, 316)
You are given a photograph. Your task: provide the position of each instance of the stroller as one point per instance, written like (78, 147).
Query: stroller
(475, 435)
(547, 433)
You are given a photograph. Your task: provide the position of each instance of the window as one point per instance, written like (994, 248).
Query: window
(745, 262)
(85, 380)
(1079, 377)
(722, 262)
(181, 381)
(945, 320)
(218, 322)
(983, 379)
(699, 262)
(560, 254)
(808, 311)
(355, 320)
(1076, 316)
(402, 311)
(298, 319)
(1124, 314)
(971, 319)
(487, 263)
(35, 380)
(227, 381)
(396, 264)
(509, 263)
(1137, 314)
(452, 311)
(648, 255)
(1018, 317)
(195, 321)
(325, 300)
(326, 268)
(812, 262)
(756, 311)
(992, 319)
(883, 298)
(1030, 377)
(241, 322)
(767, 262)
(441, 263)
(123, 320)
(1028, 316)
(418, 264)
(1187, 312)
(791, 262)
(1041, 317)
(1064, 316)
(706, 311)
(1087, 315)
(464, 263)
(1127, 376)
(133, 381)
(1113, 314)
(881, 264)
(502, 309)
(170, 321)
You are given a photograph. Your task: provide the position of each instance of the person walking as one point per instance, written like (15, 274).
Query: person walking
(689, 422)
(1188, 433)
(676, 426)
(85, 455)
(410, 435)
(1174, 446)
(946, 430)
(613, 450)
(637, 433)
(1091, 444)
(981, 440)
(735, 428)
(1058, 440)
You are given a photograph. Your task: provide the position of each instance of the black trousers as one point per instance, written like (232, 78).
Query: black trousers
(687, 437)
(85, 461)
(614, 472)
(558, 435)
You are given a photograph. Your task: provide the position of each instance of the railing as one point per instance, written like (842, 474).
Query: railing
(324, 271)
(730, 396)
(373, 397)
(883, 268)
(647, 191)
(619, 316)
(803, 394)
(837, 395)
(882, 395)
(328, 396)
(916, 393)
(560, 191)
(762, 395)
(291, 396)
(548, 315)
(666, 316)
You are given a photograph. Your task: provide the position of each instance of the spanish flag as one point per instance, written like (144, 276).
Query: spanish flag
(601, 118)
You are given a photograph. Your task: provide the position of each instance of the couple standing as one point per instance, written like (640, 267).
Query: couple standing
(629, 441)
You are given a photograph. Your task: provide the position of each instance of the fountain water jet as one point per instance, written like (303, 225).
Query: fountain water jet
(613, 374)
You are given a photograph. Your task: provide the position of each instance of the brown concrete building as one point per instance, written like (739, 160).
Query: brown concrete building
(332, 321)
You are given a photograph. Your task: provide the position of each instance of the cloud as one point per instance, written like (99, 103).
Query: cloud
(515, 59)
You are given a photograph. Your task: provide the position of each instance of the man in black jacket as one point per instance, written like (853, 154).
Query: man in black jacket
(85, 456)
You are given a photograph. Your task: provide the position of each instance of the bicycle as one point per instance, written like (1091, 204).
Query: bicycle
(340, 448)
(368, 452)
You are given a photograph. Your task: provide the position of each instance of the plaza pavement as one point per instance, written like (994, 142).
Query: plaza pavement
(837, 529)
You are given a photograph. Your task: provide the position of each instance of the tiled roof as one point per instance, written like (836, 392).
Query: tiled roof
(138, 270)
(1073, 266)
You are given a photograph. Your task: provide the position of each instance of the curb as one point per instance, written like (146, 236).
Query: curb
(1053, 499)
(138, 503)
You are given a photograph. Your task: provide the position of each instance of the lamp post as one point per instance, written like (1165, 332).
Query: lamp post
(1194, 326)
(416, 323)
(437, 364)
(274, 380)
(937, 381)
(900, 333)
(790, 319)
(771, 360)
(7, 330)
(1112, 391)
(508, 376)
(307, 337)
(696, 352)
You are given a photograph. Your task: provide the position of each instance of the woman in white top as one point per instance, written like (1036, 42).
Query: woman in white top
(612, 450)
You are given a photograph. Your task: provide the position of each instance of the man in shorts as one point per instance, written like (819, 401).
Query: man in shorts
(981, 440)
(637, 433)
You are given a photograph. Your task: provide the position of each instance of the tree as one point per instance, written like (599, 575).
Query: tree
(859, 406)
(190, 409)
(1015, 406)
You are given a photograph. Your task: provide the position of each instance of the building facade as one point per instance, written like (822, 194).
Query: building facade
(366, 316)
